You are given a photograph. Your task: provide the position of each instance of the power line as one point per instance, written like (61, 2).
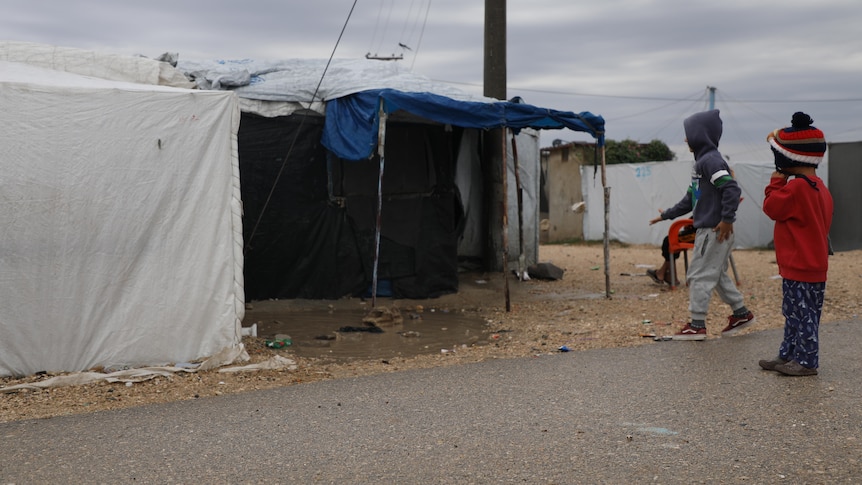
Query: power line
(389, 7)
(421, 33)
(409, 26)
(407, 21)
(371, 46)
(699, 96)
(660, 98)
(675, 119)
(837, 100)
(386, 25)
(298, 131)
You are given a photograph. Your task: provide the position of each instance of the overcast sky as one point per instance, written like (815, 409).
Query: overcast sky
(644, 65)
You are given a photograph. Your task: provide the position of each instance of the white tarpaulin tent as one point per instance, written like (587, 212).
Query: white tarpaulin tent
(279, 87)
(121, 220)
(638, 191)
(100, 65)
(273, 88)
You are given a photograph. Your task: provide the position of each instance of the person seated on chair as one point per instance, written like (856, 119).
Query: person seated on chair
(662, 274)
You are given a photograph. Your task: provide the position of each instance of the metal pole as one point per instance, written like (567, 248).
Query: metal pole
(607, 247)
(381, 141)
(522, 270)
(505, 212)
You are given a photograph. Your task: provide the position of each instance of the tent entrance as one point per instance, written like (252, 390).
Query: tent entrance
(314, 235)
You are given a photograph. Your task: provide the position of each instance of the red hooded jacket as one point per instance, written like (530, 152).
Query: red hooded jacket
(803, 216)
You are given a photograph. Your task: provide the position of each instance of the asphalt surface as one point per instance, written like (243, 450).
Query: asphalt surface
(672, 412)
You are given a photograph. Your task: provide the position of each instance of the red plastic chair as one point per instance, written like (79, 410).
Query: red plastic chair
(675, 246)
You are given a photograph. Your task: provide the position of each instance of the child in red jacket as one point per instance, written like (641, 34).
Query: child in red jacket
(801, 206)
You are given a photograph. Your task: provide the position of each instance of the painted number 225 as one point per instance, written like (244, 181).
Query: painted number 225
(641, 172)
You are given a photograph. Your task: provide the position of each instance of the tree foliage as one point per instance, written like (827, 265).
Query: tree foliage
(630, 151)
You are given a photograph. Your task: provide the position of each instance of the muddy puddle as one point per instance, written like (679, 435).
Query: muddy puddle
(341, 336)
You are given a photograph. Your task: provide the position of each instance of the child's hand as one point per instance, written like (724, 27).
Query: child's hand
(724, 230)
(656, 219)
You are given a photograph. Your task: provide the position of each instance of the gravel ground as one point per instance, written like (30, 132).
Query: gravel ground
(545, 316)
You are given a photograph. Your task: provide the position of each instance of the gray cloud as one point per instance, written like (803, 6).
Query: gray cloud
(642, 64)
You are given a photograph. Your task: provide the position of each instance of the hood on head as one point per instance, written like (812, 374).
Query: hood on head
(703, 131)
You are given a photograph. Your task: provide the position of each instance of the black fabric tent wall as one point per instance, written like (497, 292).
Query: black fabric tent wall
(310, 233)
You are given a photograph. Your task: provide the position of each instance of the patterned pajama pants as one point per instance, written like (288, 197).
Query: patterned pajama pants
(801, 307)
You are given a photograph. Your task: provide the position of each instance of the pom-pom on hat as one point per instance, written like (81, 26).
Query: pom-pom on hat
(799, 145)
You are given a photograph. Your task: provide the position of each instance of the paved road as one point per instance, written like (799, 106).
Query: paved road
(672, 412)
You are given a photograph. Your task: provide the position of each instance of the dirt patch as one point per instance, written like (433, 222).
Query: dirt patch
(573, 313)
(339, 335)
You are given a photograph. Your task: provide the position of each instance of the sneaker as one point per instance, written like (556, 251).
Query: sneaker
(735, 324)
(689, 333)
(771, 364)
(794, 368)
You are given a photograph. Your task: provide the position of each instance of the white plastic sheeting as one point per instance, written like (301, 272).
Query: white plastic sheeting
(121, 223)
(100, 65)
(529, 173)
(141, 374)
(469, 171)
(638, 191)
(293, 83)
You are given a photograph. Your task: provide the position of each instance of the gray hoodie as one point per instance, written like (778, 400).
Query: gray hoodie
(713, 195)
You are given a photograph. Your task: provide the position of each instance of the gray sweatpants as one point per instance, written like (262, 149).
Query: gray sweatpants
(708, 271)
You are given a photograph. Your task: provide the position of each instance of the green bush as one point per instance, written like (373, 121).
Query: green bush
(630, 151)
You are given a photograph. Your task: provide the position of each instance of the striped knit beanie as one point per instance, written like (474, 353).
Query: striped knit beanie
(801, 145)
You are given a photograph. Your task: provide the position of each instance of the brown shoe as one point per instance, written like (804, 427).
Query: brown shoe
(794, 368)
(771, 364)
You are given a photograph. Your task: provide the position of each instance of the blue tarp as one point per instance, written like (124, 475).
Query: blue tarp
(351, 122)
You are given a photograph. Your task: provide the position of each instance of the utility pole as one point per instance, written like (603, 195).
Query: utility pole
(494, 140)
(495, 49)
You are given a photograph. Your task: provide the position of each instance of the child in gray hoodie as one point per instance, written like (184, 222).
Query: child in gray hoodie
(712, 198)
